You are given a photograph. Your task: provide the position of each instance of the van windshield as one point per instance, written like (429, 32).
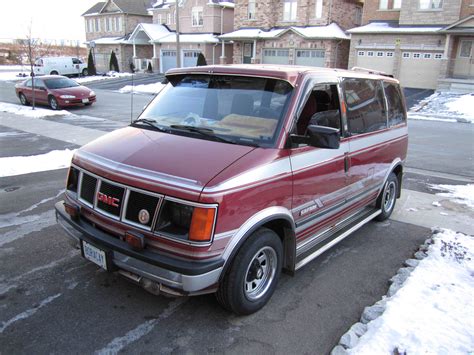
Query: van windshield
(242, 110)
(60, 83)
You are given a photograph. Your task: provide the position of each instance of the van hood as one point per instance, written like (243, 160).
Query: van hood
(145, 158)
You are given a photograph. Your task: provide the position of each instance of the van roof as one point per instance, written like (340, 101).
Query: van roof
(288, 73)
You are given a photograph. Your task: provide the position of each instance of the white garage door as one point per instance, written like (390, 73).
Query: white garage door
(190, 58)
(376, 60)
(420, 70)
(276, 56)
(310, 57)
(168, 60)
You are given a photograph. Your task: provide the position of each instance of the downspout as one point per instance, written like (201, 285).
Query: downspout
(330, 12)
(214, 53)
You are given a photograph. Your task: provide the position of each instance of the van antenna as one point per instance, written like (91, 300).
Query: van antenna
(131, 98)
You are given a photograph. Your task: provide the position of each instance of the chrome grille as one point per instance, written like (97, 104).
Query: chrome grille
(129, 201)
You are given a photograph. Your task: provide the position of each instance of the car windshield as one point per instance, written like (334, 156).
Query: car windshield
(60, 83)
(242, 110)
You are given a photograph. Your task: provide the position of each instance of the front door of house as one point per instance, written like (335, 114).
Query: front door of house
(247, 54)
(464, 64)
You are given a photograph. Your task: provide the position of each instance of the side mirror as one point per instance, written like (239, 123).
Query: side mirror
(320, 137)
(323, 137)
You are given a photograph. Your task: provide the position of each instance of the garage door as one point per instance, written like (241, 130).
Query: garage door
(276, 56)
(420, 70)
(190, 58)
(376, 60)
(310, 57)
(168, 60)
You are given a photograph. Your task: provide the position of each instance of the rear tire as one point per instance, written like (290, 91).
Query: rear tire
(85, 72)
(388, 197)
(53, 103)
(253, 274)
(23, 100)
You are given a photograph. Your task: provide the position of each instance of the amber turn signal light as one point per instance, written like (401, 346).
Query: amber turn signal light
(202, 224)
(73, 211)
(136, 241)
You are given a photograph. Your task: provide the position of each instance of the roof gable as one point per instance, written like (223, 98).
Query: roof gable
(94, 9)
(462, 24)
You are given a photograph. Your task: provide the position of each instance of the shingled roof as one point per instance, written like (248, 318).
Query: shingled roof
(133, 7)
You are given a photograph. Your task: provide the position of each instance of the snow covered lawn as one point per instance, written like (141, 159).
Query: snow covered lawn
(433, 313)
(445, 106)
(28, 112)
(143, 89)
(56, 159)
(463, 194)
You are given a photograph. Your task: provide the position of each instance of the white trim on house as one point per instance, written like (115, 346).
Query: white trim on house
(386, 27)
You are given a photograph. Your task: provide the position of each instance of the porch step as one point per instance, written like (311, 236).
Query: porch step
(456, 85)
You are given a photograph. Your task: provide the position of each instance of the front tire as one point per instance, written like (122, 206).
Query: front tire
(85, 72)
(53, 103)
(54, 72)
(23, 100)
(388, 197)
(253, 275)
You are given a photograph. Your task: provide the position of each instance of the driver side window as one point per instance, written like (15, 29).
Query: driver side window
(321, 109)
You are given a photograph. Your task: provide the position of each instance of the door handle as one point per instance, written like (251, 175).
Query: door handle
(346, 162)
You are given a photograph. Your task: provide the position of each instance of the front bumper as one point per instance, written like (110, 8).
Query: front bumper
(183, 277)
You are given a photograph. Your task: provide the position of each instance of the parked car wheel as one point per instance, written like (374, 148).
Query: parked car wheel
(253, 275)
(54, 72)
(388, 197)
(23, 100)
(85, 72)
(53, 103)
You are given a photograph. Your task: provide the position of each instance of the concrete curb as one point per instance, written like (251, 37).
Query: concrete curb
(350, 339)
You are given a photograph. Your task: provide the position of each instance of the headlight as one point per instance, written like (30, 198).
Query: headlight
(92, 93)
(72, 178)
(186, 222)
(67, 97)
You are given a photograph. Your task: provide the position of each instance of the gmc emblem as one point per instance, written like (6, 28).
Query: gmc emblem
(108, 200)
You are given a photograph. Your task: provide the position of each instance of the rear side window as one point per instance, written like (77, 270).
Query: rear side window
(396, 113)
(365, 105)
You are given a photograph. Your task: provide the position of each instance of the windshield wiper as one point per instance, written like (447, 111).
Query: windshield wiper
(148, 122)
(206, 132)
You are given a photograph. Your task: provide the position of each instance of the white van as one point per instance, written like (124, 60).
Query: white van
(60, 66)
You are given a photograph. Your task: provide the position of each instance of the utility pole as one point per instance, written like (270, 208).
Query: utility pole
(178, 46)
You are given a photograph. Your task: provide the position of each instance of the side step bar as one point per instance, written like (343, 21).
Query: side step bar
(345, 232)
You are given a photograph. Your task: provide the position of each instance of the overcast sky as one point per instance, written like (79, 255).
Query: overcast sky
(51, 19)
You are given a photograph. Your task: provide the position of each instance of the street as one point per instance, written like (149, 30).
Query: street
(54, 301)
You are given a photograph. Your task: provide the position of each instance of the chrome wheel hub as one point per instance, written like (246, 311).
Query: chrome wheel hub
(260, 273)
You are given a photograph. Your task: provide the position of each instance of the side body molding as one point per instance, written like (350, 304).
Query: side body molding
(256, 221)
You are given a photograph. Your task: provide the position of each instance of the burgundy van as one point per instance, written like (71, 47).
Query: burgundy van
(235, 173)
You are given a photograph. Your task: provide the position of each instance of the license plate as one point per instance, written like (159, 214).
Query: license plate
(85, 101)
(94, 254)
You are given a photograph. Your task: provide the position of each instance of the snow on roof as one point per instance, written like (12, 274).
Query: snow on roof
(332, 31)
(189, 38)
(109, 40)
(388, 27)
(154, 31)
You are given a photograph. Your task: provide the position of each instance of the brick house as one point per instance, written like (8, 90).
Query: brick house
(426, 44)
(302, 32)
(108, 26)
(201, 22)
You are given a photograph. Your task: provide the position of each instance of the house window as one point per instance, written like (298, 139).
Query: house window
(289, 10)
(168, 18)
(197, 16)
(416, 55)
(174, 17)
(389, 54)
(97, 25)
(108, 25)
(160, 19)
(465, 50)
(370, 54)
(358, 16)
(397, 4)
(383, 5)
(360, 53)
(319, 8)
(118, 24)
(251, 10)
(379, 54)
(89, 25)
(406, 55)
(427, 56)
(438, 56)
(431, 4)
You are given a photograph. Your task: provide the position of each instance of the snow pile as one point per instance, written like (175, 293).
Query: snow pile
(109, 75)
(14, 75)
(56, 159)
(462, 194)
(434, 310)
(445, 106)
(28, 112)
(143, 89)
